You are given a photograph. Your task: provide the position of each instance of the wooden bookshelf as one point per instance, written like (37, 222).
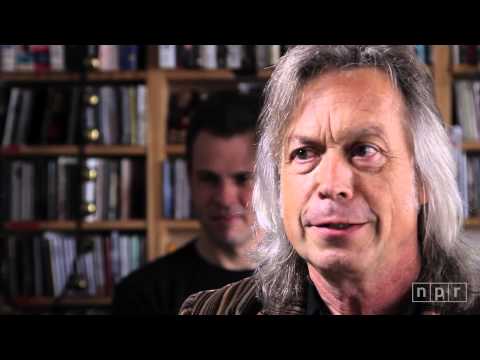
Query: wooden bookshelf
(471, 146)
(109, 76)
(175, 225)
(123, 75)
(69, 225)
(465, 70)
(473, 222)
(34, 77)
(176, 150)
(73, 150)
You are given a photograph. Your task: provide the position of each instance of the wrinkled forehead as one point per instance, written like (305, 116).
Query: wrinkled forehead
(343, 99)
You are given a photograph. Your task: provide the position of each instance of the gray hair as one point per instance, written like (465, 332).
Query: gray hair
(446, 255)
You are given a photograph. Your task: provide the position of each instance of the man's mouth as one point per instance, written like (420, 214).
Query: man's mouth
(340, 226)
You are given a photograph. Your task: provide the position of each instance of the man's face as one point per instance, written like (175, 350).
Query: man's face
(221, 182)
(347, 179)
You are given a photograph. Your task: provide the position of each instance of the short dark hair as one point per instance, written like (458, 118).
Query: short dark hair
(223, 114)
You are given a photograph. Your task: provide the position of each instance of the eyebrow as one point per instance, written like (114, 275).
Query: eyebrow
(347, 135)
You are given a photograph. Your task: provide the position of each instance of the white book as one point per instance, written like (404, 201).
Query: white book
(8, 58)
(125, 187)
(91, 286)
(141, 113)
(115, 255)
(275, 51)
(50, 238)
(108, 57)
(12, 113)
(98, 263)
(167, 56)
(234, 56)
(208, 56)
(57, 57)
(106, 102)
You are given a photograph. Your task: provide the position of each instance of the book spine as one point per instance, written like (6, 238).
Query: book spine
(8, 58)
(234, 56)
(167, 56)
(41, 57)
(208, 57)
(57, 57)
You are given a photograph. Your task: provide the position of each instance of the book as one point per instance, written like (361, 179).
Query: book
(12, 116)
(262, 56)
(57, 57)
(8, 58)
(167, 56)
(41, 57)
(109, 57)
(208, 57)
(128, 57)
(234, 57)
(141, 114)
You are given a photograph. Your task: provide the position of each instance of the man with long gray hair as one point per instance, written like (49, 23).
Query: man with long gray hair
(355, 193)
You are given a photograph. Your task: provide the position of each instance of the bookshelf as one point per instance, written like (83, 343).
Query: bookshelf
(162, 235)
(446, 73)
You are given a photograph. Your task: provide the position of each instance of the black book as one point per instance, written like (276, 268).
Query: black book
(187, 56)
(46, 262)
(39, 104)
(75, 56)
(75, 110)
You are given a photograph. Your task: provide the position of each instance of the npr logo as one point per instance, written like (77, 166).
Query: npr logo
(425, 292)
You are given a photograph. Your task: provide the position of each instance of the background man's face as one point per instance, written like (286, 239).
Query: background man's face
(221, 182)
(347, 179)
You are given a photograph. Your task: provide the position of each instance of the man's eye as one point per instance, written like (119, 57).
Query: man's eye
(302, 154)
(241, 179)
(364, 151)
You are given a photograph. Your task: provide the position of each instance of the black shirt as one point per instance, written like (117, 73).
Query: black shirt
(161, 286)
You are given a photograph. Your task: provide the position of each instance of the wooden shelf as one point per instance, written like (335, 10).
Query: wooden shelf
(133, 75)
(68, 225)
(121, 75)
(69, 301)
(72, 150)
(471, 146)
(472, 222)
(176, 149)
(180, 225)
(39, 76)
(464, 69)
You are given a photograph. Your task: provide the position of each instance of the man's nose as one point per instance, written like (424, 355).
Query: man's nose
(227, 193)
(334, 177)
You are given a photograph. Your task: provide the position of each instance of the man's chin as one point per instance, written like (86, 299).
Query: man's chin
(334, 260)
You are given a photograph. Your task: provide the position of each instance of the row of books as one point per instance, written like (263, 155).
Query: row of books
(465, 54)
(54, 264)
(467, 107)
(41, 58)
(61, 189)
(176, 190)
(424, 53)
(59, 114)
(234, 57)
